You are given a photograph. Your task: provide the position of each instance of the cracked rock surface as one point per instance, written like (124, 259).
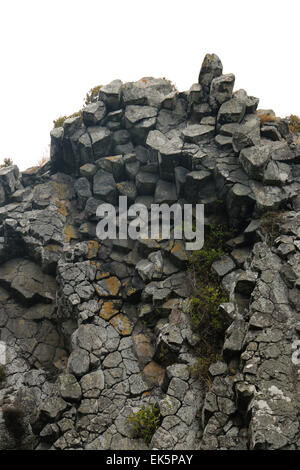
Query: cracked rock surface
(95, 329)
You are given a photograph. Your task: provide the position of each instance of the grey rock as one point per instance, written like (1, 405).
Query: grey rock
(104, 186)
(111, 94)
(165, 192)
(247, 134)
(52, 408)
(231, 111)
(197, 133)
(211, 68)
(146, 182)
(79, 362)
(100, 140)
(221, 90)
(93, 113)
(223, 266)
(254, 160)
(69, 388)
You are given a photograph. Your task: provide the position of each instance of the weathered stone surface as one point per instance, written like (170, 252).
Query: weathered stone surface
(254, 160)
(221, 90)
(104, 186)
(211, 68)
(121, 308)
(94, 113)
(197, 133)
(231, 111)
(111, 94)
(28, 281)
(69, 388)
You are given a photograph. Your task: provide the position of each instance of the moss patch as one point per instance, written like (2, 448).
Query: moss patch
(145, 422)
(270, 225)
(207, 297)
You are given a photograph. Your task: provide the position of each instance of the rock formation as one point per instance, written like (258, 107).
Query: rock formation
(94, 330)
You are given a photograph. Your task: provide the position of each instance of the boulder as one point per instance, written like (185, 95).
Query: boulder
(221, 90)
(93, 113)
(104, 186)
(111, 95)
(211, 68)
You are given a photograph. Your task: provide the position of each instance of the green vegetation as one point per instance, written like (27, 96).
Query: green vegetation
(2, 374)
(60, 120)
(294, 123)
(145, 422)
(6, 162)
(92, 95)
(207, 297)
(270, 225)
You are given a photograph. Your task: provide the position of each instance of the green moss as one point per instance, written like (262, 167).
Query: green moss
(92, 95)
(270, 225)
(145, 422)
(2, 374)
(207, 297)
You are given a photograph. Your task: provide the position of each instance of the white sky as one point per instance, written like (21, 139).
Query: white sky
(54, 51)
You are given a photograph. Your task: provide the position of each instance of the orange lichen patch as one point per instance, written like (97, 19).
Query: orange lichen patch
(53, 248)
(113, 158)
(110, 309)
(63, 191)
(93, 247)
(154, 373)
(129, 290)
(102, 275)
(113, 285)
(62, 207)
(149, 243)
(108, 287)
(84, 228)
(122, 325)
(143, 348)
(70, 233)
(179, 252)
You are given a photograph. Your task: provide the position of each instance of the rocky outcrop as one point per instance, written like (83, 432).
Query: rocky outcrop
(95, 329)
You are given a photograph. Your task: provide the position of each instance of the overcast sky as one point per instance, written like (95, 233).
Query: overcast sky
(53, 52)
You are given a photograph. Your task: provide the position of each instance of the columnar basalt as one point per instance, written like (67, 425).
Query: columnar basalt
(95, 329)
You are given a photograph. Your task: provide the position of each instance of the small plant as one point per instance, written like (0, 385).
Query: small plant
(6, 162)
(270, 225)
(207, 297)
(145, 422)
(2, 374)
(13, 418)
(200, 369)
(266, 117)
(60, 120)
(92, 95)
(294, 123)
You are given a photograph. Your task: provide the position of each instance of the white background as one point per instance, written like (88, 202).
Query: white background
(53, 52)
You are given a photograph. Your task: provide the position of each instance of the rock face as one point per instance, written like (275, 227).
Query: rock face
(92, 330)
